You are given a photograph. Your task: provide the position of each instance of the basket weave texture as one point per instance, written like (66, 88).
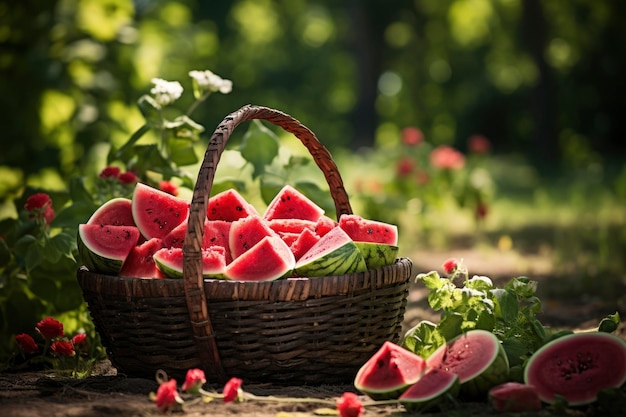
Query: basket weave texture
(291, 331)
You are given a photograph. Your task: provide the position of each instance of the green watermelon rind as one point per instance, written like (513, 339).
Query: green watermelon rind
(494, 371)
(548, 350)
(175, 271)
(394, 391)
(343, 259)
(416, 403)
(377, 255)
(97, 261)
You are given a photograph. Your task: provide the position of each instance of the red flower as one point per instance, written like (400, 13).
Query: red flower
(48, 214)
(349, 405)
(50, 328)
(110, 172)
(412, 136)
(478, 144)
(62, 348)
(167, 396)
(405, 166)
(127, 178)
(27, 343)
(39, 201)
(79, 338)
(168, 187)
(446, 157)
(450, 265)
(194, 380)
(481, 210)
(231, 389)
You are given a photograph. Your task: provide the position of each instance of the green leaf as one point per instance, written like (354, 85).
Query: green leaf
(5, 254)
(522, 286)
(269, 189)
(64, 243)
(78, 190)
(181, 152)
(259, 147)
(450, 326)
(45, 288)
(150, 109)
(423, 339)
(23, 244)
(34, 257)
(507, 305)
(431, 280)
(516, 351)
(74, 214)
(485, 320)
(480, 283)
(183, 127)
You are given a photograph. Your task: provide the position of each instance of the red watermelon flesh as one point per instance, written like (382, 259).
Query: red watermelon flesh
(269, 259)
(229, 206)
(176, 237)
(290, 203)
(216, 233)
(245, 233)
(514, 397)
(115, 212)
(104, 248)
(324, 225)
(389, 372)
(156, 212)
(291, 225)
(289, 237)
(170, 261)
(303, 243)
(364, 230)
(140, 263)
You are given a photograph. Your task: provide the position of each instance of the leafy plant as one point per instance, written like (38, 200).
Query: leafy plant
(476, 303)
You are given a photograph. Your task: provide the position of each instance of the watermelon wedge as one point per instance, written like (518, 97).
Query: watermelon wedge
(290, 203)
(268, 260)
(365, 230)
(334, 254)
(115, 212)
(156, 213)
(229, 206)
(140, 261)
(170, 262)
(247, 232)
(104, 248)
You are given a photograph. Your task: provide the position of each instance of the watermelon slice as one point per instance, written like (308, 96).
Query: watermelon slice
(115, 212)
(479, 360)
(104, 248)
(170, 262)
(140, 262)
(432, 390)
(229, 206)
(247, 232)
(334, 254)
(269, 259)
(290, 225)
(290, 203)
(364, 230)
(377, 255)
(303, 243)
(156, 213)
(389, 372)
(324, 225)
(216, 233)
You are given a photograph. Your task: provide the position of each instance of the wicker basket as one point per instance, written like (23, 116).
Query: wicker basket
(290, 331)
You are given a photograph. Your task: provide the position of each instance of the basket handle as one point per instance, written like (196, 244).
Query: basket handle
(192, 260)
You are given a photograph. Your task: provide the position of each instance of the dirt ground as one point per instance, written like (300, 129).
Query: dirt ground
(106, 394)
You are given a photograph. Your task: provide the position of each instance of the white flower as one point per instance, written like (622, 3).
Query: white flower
(166, 92)
(211, 82)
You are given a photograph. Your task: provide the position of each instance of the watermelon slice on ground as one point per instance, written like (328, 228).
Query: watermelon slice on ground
(514, 397)
(290, 203)
(104, 248)
(577, 367)
(140, 262)
(365, 230)
(170, 262)
(435, 388)
(115, 212)
(247, 232)
(229, 206)
(157, 213)
(269, 259)
(479, 360)
(389, 372)
(334, 254)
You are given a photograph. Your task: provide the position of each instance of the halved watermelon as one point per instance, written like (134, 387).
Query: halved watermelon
(577, 367)
(269, 259)
(104, 248)
(434, 388)
(334, 254)
(156, 213)
(290, 203)
(229, 206)
(140, 262)
(479, 360)
(115, 212)
(247, 232)
(365, 230)
(170, 262)
(389, 372)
